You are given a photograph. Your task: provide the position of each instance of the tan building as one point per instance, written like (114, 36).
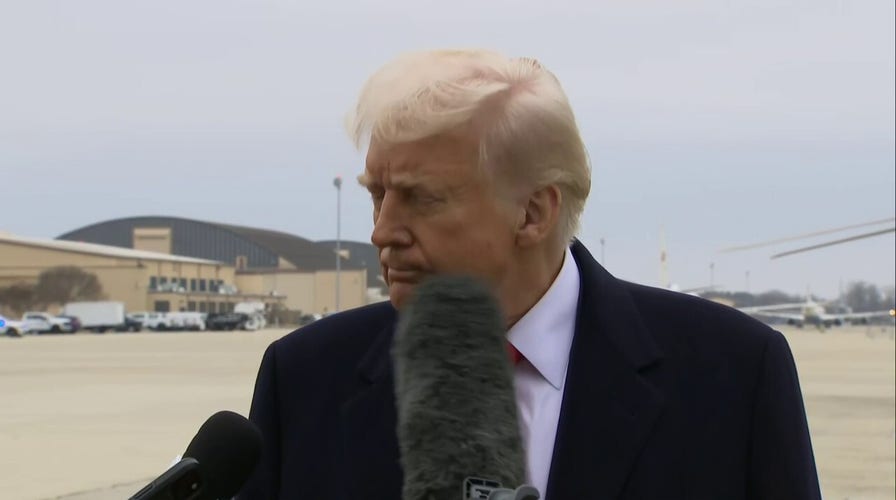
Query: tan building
(126, 275)
(313, 291)
(299, 273)
(158, 281)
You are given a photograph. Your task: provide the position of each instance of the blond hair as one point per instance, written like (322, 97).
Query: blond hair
(516, 108)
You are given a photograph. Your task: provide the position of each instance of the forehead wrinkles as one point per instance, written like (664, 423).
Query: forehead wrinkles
(388, 173)
(444, 159)
(400, 165)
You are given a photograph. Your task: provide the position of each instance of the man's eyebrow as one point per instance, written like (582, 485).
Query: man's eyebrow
(404, 182)
(397, 182)
(365, 180)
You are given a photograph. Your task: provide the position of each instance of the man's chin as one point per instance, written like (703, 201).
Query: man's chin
(400, 293)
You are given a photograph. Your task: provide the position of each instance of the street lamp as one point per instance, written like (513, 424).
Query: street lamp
(338, 183)
(749, 295)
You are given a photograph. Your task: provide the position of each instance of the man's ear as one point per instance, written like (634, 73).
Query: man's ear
(539, 216)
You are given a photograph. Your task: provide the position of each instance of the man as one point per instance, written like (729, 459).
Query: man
(475, 165)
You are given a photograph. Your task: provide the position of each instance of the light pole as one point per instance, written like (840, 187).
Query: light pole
(749, 296)
(338, 183)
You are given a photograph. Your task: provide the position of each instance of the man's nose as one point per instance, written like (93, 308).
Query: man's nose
(390, 225)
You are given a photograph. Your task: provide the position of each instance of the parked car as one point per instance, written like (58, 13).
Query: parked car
(256, 314)
(41, 322)
(130, 325)
(152, 320)
(187, 320)
(12, 327)
(74, 320)
(226, 321)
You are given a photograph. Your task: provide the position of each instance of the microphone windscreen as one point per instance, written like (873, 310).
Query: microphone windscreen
(227, 447)
(457, 414)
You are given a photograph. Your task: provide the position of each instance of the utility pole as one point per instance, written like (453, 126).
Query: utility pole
(338, 183)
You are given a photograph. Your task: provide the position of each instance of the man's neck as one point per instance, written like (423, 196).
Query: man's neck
(536, 275)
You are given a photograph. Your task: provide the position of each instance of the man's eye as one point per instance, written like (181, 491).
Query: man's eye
(417, 197)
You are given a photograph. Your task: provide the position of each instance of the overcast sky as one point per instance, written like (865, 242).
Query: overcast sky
(723, 122)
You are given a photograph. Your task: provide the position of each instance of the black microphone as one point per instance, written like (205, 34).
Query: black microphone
(458, 429)
(214, 466)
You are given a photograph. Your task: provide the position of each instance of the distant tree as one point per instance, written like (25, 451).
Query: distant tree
(863, 297)
(778, 297)
(59, 285)
(17, 298)
(858, 296)
(890, 296)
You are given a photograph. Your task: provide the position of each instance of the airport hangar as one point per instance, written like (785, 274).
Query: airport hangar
(161, 263)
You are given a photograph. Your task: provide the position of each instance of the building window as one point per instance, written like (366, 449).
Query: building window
(191, 305)
(201, 285)
(183, 283)
(153, 283)
(211, 307)
(202, 307)
(213, 286)
(162, 306)
(192, 284)
(163, 280)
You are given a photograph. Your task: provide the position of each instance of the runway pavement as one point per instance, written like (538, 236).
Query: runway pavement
(96, 416)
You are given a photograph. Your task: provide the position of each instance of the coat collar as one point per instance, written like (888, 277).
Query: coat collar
(608, 408)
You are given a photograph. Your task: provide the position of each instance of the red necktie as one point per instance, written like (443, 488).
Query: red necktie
(515, 355)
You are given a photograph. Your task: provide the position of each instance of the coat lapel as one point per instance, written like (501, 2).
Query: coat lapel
(373, 469)
(608, 408)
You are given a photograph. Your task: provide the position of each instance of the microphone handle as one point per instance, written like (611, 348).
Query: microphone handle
(521, 493)
(182, 481)
(477, 488)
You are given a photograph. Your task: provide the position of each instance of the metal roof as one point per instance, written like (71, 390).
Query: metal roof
(223, 242)
(300, 252)
(103, 250)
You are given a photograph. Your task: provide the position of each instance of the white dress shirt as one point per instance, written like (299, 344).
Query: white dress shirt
(544, 337)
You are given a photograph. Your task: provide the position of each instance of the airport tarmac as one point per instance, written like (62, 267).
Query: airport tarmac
(96, 416)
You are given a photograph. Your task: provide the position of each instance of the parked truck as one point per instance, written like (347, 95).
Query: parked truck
(41, 322)
(256, 314)
(102, 316)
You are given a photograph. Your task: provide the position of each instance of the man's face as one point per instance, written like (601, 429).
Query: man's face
(435, 212)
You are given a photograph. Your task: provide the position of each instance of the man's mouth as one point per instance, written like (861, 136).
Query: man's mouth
(403, 275)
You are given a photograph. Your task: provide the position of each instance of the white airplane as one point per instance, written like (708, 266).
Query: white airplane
(813, 313)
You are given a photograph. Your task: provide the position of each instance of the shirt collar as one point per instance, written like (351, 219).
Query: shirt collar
(544, 334)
